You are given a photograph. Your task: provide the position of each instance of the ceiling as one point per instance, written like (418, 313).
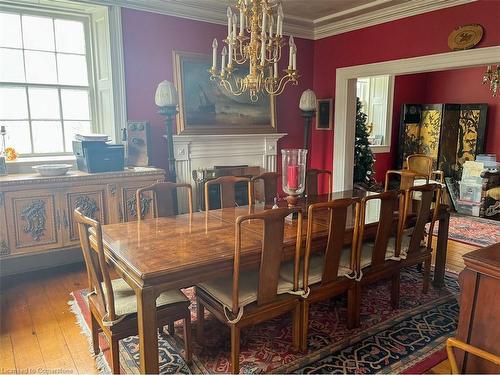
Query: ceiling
(311, 19)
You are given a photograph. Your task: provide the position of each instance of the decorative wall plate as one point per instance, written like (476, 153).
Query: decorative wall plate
(465, 37)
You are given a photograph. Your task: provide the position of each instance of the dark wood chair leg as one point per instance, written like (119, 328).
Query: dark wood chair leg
(115, 355)
(395, 280)
(427, 274)
(356, 314)
(200, 317)
(352, 306)
(94, 327)
(304, 312)
(235, 349)
(296, 328)
(188, 354)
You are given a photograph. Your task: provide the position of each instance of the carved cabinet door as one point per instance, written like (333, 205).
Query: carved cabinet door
(35, 222)
(128, 207)
(92, 201)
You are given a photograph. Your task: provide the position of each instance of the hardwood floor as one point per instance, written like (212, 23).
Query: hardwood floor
(38, 332)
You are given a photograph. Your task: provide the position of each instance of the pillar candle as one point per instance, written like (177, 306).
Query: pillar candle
(293, 176)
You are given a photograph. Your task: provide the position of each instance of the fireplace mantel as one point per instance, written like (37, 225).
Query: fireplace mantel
(193, 152)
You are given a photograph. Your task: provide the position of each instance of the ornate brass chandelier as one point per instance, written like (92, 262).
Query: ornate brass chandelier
(258, 43)
(492, 76)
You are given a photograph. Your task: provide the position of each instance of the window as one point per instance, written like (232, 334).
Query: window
(376, 94)
(44, 82)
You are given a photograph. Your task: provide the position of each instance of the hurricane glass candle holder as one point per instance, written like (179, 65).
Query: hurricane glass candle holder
(294, 173)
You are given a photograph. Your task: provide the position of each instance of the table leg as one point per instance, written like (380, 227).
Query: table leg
(441, 248)
(148, 337)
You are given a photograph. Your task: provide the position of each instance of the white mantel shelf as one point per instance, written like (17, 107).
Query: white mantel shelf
(204, 151)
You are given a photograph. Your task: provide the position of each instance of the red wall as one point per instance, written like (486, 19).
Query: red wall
(419, 35)
(149, 40)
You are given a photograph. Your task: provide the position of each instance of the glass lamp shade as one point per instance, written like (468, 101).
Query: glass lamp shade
(293, 162)
(308, 101)
(166, 94)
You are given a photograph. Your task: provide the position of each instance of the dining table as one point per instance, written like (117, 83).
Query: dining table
(155, 255)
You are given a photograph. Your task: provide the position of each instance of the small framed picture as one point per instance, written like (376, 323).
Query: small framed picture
(324, 114)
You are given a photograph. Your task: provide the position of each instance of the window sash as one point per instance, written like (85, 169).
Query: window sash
(89, 87)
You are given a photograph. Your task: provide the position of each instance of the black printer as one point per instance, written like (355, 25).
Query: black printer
(97, 156)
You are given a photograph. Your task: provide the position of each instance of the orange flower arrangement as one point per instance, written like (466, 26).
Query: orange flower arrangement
(11, 153)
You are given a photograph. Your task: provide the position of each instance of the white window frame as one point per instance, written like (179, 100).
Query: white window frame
(387, 126)
(108, 112)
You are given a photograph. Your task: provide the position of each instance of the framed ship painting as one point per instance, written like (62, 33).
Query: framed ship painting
(207, 108)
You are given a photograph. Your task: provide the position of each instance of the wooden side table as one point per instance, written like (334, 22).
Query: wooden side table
(479, 320)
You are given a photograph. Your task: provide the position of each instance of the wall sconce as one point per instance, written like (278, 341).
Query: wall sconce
(492, 76)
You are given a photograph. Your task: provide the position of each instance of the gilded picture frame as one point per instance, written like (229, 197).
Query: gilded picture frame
(207, 108)
(324, 114)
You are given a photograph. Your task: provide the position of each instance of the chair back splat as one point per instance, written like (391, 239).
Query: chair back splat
(427, 193)
(312, 176)
(271, 255)
(164, 198)
(388, 201)
(337, 211)
(270, 180)
(227, 190)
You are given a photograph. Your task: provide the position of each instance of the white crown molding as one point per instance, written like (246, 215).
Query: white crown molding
(326, 27)
(213, 11)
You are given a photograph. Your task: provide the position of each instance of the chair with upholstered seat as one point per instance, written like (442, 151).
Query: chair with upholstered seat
(312, 176)
(163, 198)
(253, 296)
(227, 190)
(270, 181)
(376, 259)
(112, 303)
(328, 273)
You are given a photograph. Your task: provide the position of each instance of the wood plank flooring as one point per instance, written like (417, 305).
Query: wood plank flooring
(38, 332)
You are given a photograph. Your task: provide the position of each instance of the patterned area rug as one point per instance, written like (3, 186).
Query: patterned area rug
(407, 340)
(473, 230)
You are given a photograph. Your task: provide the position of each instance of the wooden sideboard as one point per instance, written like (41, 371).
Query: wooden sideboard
(36, 213)
(479, 320)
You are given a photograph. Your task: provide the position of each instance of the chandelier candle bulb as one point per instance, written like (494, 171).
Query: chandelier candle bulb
(242, 22)
(264, 19)
(224, 54)
(229, 19)
(275, 70)
(290, 56)
(214, 54)
(294, 57)
(279, 22)
(235, 23)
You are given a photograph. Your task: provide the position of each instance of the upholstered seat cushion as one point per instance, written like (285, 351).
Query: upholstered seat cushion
(222, 289)
(316, 268)
(367, 248)
(126, 302)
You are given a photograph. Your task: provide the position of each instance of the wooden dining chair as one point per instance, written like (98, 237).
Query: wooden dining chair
(406, 179)
(112, 302)
(328, 273)
(254, 296)
(163, 198)
(270, 180)
(227, 190)
(422, 165)
(312, 176)
(375, 259)
(470, 349)
(414, 249)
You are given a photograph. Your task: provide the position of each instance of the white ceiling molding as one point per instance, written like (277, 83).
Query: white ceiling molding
(213, 11)
(327, 27)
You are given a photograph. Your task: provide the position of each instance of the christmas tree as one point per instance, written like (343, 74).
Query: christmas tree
(363, 155)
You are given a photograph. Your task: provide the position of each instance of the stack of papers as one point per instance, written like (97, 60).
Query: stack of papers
(91, 137)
